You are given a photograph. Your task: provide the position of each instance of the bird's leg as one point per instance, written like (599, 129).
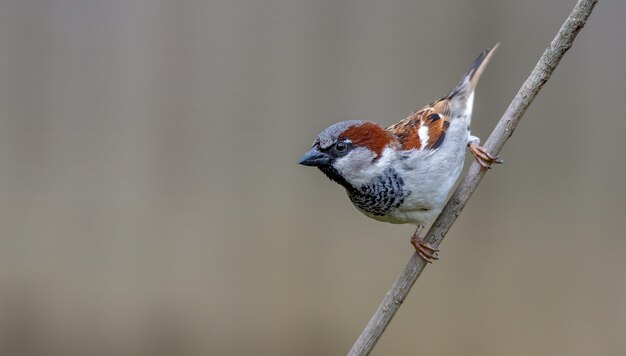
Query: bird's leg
(483, 157)
(427, 251)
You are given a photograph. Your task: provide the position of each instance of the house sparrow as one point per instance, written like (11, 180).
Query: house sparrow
(403, 174)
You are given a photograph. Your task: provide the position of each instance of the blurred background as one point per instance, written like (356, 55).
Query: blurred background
(151, 204)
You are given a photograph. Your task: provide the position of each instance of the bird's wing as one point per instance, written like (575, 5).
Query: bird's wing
(425, 128)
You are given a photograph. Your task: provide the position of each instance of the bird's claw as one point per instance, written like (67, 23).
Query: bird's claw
(483, 157)
(427, 251)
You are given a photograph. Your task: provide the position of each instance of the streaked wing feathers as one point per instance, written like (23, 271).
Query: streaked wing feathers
(425, 128)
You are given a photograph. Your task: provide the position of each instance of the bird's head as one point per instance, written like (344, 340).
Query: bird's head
(350, 153)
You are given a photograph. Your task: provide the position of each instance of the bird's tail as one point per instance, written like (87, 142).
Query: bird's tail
(467, 85)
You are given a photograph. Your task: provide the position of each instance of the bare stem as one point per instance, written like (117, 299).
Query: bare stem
(503, 130)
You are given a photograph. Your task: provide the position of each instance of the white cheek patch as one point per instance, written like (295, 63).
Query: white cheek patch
(353, 165)
(423, 135)
(360, 166)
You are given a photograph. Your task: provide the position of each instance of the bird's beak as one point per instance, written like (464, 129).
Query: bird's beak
(314, 158)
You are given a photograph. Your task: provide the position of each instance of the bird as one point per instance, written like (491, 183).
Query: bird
(403, 174)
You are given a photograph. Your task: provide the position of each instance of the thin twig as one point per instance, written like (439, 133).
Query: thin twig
(503, 130)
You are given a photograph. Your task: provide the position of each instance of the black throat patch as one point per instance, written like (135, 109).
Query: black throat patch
(333, 175)
(385, 193)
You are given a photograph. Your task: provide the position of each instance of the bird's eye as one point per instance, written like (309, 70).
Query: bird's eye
(341, 146)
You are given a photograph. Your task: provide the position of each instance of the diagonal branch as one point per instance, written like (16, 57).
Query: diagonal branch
(503, 130)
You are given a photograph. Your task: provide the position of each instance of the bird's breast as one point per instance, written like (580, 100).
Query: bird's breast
(383, 194)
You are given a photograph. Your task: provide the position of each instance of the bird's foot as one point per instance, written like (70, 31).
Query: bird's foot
(427, 251)
(484, 158)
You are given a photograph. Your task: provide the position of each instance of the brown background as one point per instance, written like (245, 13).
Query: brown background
(150, 201)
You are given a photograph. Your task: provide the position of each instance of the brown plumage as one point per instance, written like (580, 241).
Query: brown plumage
(369, 135)
(435, 117)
